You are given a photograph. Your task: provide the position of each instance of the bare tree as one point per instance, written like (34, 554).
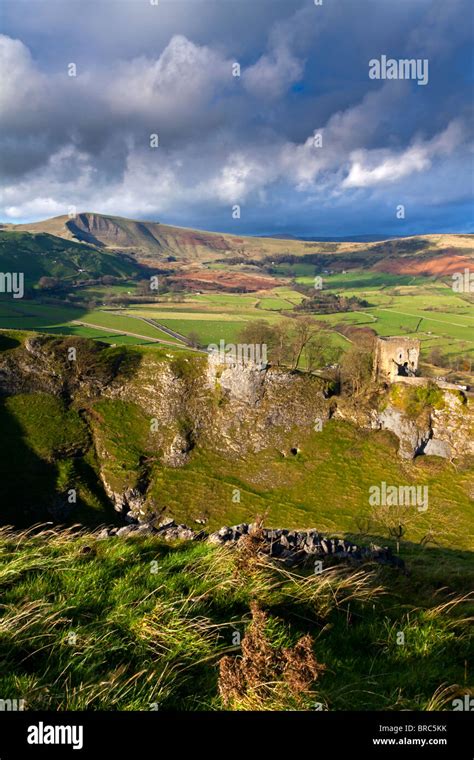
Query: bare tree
(303, 332)
(356, 369)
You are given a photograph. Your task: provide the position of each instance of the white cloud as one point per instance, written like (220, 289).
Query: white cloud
(178, 83)
(272, 74)
(22, 87)
(375, 167)
(85, 141)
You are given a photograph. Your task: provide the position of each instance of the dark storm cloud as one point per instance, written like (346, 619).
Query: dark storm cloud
(167, 69)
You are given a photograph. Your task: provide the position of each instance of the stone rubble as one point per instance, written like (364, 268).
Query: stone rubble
(288, 547)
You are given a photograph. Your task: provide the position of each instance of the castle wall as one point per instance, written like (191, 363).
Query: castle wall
(395, 357)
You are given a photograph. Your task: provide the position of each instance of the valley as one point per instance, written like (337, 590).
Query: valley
(236, 377)
(195, 295)
(144, 428)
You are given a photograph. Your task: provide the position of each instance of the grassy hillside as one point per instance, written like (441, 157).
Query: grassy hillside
(44, 255)
(45, 451)
(48, 444)
(140, 625)
(325, 485)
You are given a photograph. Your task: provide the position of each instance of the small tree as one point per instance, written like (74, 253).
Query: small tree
(194, 339)
(356, 369)
(304, 331)
(258, 332)
(395, 520)
(316, 350)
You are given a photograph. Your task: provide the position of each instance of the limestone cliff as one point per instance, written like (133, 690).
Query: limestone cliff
(179, 401)
(445, 429)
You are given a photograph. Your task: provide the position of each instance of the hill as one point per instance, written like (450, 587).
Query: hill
(40, 254)
(148, 241)
(86, 424)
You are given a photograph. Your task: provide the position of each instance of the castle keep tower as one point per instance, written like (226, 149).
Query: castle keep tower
(395, 357)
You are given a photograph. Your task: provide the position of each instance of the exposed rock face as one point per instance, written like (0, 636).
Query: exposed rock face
(453, 427)
(258, 403)
(66, 367)
(243, 381)
(438, 449)
(446, 432)
(131, 500)
(413, 436)
(178, 452)
(29, 370)
(228, 406)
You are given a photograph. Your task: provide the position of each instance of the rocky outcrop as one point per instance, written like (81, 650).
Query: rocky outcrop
(446, 431)
(452, 427)
(229, 406)
(178, 452)
(71, 368)
(412, 435)
(132, 500)
(242, 381)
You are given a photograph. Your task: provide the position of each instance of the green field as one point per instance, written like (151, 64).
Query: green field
(125, 323)
(28, 315)
(61, 320)
(399, 305)
(426, 309)
(214, 317)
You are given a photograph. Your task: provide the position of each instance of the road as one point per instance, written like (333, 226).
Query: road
(126, 332)
(163, 328)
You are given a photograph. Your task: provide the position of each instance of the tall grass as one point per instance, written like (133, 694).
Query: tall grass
(138, 625)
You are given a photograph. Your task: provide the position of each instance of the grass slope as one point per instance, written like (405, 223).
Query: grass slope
(139, 625)
(40, 255)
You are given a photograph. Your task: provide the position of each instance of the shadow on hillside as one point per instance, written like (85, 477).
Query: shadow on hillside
(436, 566)
(90, 517)
(29, 484)
(25, 478)
(7, 343)
(409, 548)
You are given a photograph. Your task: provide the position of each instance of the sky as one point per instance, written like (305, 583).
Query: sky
(246, 116)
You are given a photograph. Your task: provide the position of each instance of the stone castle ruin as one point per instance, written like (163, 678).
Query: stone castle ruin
(396, 357)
